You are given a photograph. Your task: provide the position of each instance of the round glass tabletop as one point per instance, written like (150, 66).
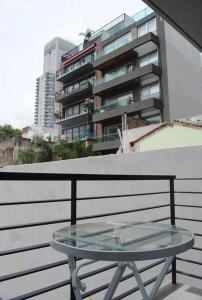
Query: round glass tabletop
(120, 241)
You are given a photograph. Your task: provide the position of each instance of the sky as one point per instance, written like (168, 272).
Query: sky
(25, 27)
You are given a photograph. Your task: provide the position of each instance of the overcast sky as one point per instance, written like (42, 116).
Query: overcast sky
(25, 27)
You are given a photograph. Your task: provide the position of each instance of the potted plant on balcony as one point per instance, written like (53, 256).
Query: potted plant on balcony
(89, 105)
(58, 114)
(130, 100)
(87, 36)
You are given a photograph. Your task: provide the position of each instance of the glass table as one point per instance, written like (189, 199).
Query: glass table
(124, 243)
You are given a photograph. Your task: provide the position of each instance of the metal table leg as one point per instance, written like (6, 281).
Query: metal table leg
(158, 282)
(115, 281)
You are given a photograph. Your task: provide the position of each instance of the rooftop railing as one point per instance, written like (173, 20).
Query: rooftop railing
(163, 200)
(109, 29)
(126, 22)
(142, 14)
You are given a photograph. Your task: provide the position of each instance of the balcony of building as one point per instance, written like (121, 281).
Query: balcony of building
(123, 77)
(106, 142)
(128, 106)
(123, 50)
(68, 95)
(123, 22)
(76, 68)
(31, 269)
(76, 119)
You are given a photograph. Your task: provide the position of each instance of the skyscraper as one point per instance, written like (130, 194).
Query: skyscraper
(46, 84)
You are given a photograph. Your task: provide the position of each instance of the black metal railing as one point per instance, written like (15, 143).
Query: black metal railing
(65, 92)
(74, 200)
(188, 204)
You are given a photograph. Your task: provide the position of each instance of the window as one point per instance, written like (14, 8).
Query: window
(151, 58)
(121, 99)
(150, 90)
(76, 110)
(118, 72)
(149, 26)
(111, 129)
(82, 131)
(68, 133)
(75, 133)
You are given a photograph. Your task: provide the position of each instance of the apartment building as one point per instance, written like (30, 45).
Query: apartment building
(136, 70)
(46, 84)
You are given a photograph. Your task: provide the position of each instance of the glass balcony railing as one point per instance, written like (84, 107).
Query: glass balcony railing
(64, 118)
(150, 95)
(72, 68)
(106, 138)
(112, 48)
(117, 28)
(114, 75)
(142, 14)
(65, 92)
(119, 103)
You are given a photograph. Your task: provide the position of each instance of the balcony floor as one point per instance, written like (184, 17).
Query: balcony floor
(179, 292)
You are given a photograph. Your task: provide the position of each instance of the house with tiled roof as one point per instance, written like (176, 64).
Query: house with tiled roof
(180, 133)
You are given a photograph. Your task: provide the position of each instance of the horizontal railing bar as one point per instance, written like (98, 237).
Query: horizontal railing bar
(197, 234)
(33, 202)
(121, 212)
(83, 198)
(160, 219)
(33, 270)
(189, 274)
(100, 270)
(188, 219)
(135, 289)
(187, 205)
(197, 248)
(24, 249)
(44, 245)
(42, 291)
(61, 176)
(11, 227)
(126, 277)
(187, 192)
(190, 261)
(191, 178)
(126, 195)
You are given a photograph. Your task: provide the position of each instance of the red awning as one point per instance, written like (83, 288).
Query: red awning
(79, 54)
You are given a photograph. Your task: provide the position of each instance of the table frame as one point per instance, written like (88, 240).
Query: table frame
(125, 260)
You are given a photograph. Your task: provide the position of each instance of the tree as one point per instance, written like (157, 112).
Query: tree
(27, 156)
(7, 131)
(86, 35)
(61, 150)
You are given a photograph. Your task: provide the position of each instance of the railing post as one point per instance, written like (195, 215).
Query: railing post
(172, 218)
(73, 219)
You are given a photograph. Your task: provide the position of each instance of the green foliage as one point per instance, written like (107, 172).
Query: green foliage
(7, 131)
(61, 150)
(44, 151)
(27, 156)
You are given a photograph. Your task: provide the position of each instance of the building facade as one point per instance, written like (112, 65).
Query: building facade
(46, 85)
(137, 70)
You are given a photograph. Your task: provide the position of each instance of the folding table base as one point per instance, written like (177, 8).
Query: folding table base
(78, 286)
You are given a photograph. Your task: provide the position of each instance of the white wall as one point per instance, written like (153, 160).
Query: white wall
(184, 162)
